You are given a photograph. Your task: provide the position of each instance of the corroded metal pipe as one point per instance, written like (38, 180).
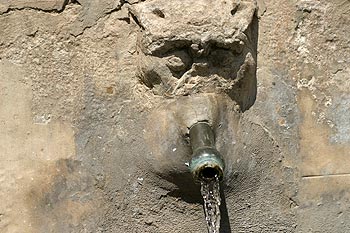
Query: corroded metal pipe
(206, 162)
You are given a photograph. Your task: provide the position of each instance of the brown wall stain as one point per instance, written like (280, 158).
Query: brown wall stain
(37, 169)
(319, 156)
(323, 190)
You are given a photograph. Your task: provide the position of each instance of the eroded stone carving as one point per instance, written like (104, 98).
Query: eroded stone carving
(198, 47)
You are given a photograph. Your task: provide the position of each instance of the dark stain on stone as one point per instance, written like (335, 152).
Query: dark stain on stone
(61, 196)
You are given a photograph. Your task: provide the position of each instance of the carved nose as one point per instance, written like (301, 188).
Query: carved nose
(199, 50)
(196, 50)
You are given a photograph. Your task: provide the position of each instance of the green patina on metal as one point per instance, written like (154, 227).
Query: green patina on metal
(206, 162)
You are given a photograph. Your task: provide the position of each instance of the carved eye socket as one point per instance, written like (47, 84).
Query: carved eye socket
(158, 12)
(221, 57)
(178, 60)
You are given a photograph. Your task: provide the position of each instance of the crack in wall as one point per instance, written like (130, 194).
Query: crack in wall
(42, 9)
(325, 176)
(120, 7)
(107, 14)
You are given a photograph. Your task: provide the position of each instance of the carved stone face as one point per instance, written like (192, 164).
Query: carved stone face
(198, 47)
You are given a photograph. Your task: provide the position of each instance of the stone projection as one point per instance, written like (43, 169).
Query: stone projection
(200, 59)
(97, 99)
(201, 47)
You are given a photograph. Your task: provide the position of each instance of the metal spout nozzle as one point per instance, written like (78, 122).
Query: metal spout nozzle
(206, 162)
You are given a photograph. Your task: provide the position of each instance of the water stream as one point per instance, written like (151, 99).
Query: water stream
(210, 191)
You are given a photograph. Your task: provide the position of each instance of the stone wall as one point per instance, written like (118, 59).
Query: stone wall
(75, 151)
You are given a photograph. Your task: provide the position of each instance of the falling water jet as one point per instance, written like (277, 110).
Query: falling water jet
(210, 191)
(207, 168)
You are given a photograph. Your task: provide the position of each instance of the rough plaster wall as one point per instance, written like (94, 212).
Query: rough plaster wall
(303, 73)
(73, 123)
